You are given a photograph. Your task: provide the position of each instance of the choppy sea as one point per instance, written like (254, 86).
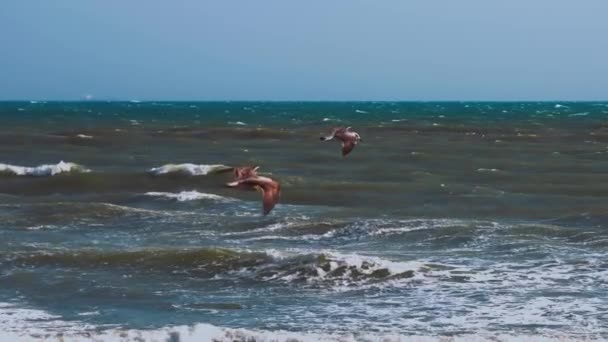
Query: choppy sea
(463, 221)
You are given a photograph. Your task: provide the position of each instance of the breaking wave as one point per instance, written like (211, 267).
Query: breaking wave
(189, 169)
(189, 196)
(338, 271)
(42, 170)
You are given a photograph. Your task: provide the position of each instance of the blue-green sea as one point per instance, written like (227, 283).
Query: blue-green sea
(450, 221)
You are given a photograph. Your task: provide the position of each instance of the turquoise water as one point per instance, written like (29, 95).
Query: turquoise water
(449, 219)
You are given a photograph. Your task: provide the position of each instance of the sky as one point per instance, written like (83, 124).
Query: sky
(412, 50)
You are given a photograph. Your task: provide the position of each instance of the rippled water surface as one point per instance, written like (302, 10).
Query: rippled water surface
(467, 220)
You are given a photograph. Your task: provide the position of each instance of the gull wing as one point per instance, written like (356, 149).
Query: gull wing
(347, 146)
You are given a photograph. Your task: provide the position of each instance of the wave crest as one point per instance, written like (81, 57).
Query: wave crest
(42, 170)
(188, 169)
(328, 269)
(189, 196)
(337, 270)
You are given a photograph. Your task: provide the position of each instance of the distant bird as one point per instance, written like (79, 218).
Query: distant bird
(347, 136)
(246, 178)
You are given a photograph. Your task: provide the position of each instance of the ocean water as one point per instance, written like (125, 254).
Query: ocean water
(450, 221)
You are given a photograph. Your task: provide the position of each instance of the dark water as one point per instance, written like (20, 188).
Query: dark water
(449, 219)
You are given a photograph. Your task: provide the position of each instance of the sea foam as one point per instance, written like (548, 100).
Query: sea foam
(37, 325)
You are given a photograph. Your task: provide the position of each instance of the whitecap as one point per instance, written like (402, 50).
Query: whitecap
(42, 170)
(339, 271)
(360, 111)
(189, 196)
(84, 136)
(189, 169)
(240, 123)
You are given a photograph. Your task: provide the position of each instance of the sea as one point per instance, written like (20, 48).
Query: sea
(449, 221)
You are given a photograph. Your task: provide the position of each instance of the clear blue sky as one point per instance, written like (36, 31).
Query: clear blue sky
(304, 50)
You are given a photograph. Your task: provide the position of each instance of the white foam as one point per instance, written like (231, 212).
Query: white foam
(189, 196)
(22, 324)
(487, 170)
(188, 168)
(18, 324)
(376, 263)
(84, 136)
(355, 271)
(209, 333)
(240, 123)
(360, 111)
(42, 170)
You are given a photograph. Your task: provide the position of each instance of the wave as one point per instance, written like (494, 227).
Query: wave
(49, 215)
(189, 196)
(580, 114)
(336, 270)
(305, 229)
(386, 228)
(209, 261)
(189, 169)
(96, 183)
(42, 170)
(487, 170)
(234, 132)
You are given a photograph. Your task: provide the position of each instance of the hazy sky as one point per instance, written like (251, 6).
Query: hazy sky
(304, 50)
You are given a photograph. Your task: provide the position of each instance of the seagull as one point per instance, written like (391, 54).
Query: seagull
(246, 178)
(347, 136)
(243, 172)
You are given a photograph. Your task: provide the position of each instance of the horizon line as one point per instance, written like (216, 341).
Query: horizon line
(285, 101)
